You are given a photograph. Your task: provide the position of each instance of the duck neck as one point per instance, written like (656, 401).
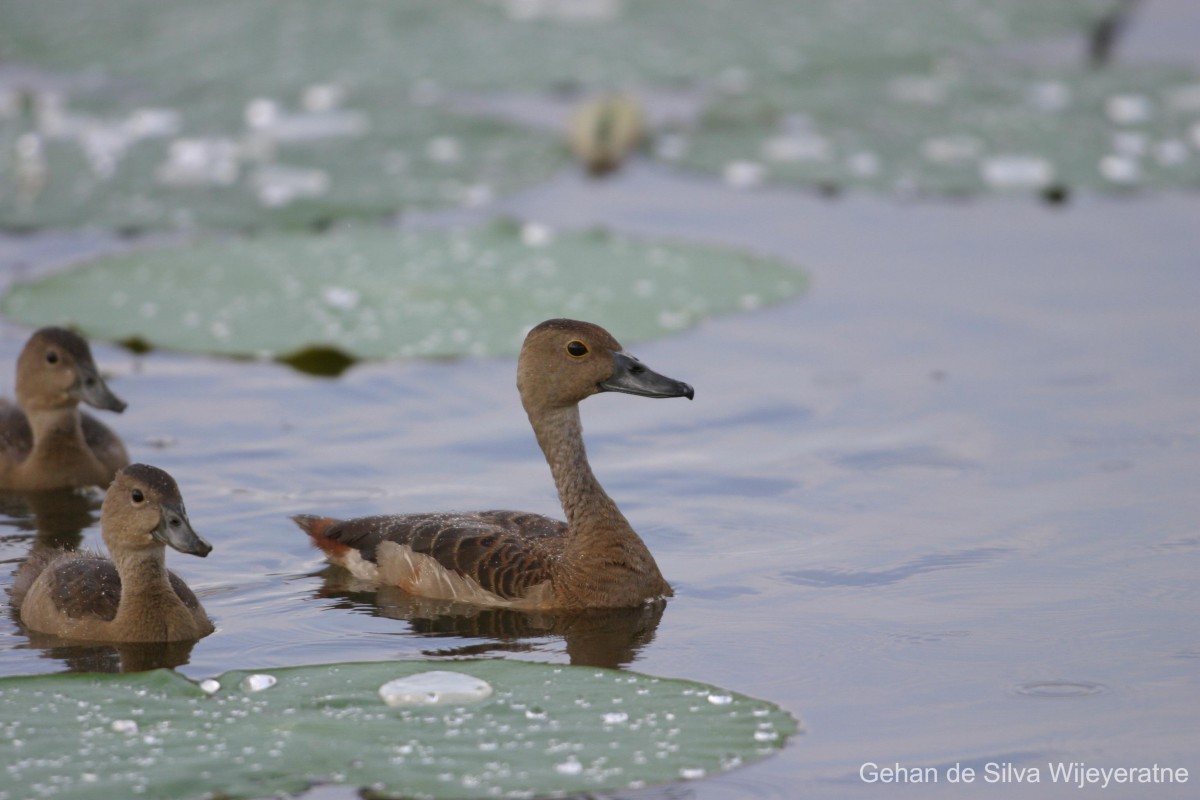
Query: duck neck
(144, 578)
(59, 441)
(55, 428)
(591, 514)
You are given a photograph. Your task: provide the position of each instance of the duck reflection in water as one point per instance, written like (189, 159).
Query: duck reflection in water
(79, 656)
(594, 637)
(56, 518)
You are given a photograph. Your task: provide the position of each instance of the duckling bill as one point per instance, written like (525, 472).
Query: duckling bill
(133, 597)
(45, 441)
(519, 559)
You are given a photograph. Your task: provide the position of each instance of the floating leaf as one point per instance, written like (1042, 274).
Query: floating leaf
(542, 730)
(939, 125)
(205, 46)
(377, 157)
(383, 293)
(234, 114)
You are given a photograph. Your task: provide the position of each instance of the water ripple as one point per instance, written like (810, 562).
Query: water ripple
(1059, 689)
(892, 575)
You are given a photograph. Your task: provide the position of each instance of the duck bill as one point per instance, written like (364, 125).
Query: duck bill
(633, 377)
(175, 531)
(91, 389)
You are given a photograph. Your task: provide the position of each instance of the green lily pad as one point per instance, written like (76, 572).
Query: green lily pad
(375, 293)
(183, 164)
(542, 730)
(262, 113)
(951, 126)
(281, 45)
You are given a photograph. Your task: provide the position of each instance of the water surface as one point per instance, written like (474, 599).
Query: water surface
(942, 508)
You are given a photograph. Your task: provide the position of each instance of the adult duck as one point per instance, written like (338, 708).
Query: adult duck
(45, 441)
(131, 597)
(517, 559)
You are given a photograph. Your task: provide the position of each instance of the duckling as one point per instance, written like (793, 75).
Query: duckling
(516, 559)
(133, 597)
(45, 442)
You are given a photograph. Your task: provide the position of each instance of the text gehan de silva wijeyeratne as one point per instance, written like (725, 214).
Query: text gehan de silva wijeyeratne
(1075, 773)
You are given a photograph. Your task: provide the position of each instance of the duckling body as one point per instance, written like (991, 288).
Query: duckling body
(518, 559)
(45, 441)
(133, 597)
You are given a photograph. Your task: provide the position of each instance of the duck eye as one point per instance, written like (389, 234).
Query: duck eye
(51, 357)
(137, 496)
(576, 349)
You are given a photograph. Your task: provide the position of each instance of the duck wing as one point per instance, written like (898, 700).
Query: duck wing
(104, 444)
(506, 554)
(84, 585)
(16, 437)
(183, 592)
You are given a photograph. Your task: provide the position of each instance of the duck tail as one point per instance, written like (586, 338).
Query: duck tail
(316, 527)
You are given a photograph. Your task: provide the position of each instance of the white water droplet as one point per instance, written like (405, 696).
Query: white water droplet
(1129, 109)
(691, 773)
(793, 147)
(534, 234)
(124, 726)
(1120, 169)
(720, 699)
(257, 682)
(322, 97)
(1017, 172)
(210, 685)
(437, 687)
(277, 185)
(951, 149)
(615, 717)
(340, 297)
(744, 174)
(864, 164)
(569, 767)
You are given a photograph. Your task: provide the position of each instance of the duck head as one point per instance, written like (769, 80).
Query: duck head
(564, 361)
(143, 509)
(55, 370)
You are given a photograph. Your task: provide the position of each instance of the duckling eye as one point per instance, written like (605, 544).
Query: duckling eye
(51, 357)
(137, 496)
(576, 349)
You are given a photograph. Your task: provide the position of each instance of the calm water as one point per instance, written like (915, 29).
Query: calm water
(943, 508)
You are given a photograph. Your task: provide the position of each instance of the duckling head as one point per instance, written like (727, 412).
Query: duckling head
(55, 370)
(564, 361)
(143, 509)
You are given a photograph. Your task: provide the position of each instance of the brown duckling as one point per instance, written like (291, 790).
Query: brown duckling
(133, 597)
(45, 442)
(517, 559)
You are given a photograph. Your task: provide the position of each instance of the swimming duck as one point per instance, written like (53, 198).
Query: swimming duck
(516, 559)
(133, 597)
(45, 442)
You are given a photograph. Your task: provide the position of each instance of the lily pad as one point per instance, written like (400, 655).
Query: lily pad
(199, 45)
(543, 730)
(951, 125)
(255, 160)
(375, 293)
(246, 114)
